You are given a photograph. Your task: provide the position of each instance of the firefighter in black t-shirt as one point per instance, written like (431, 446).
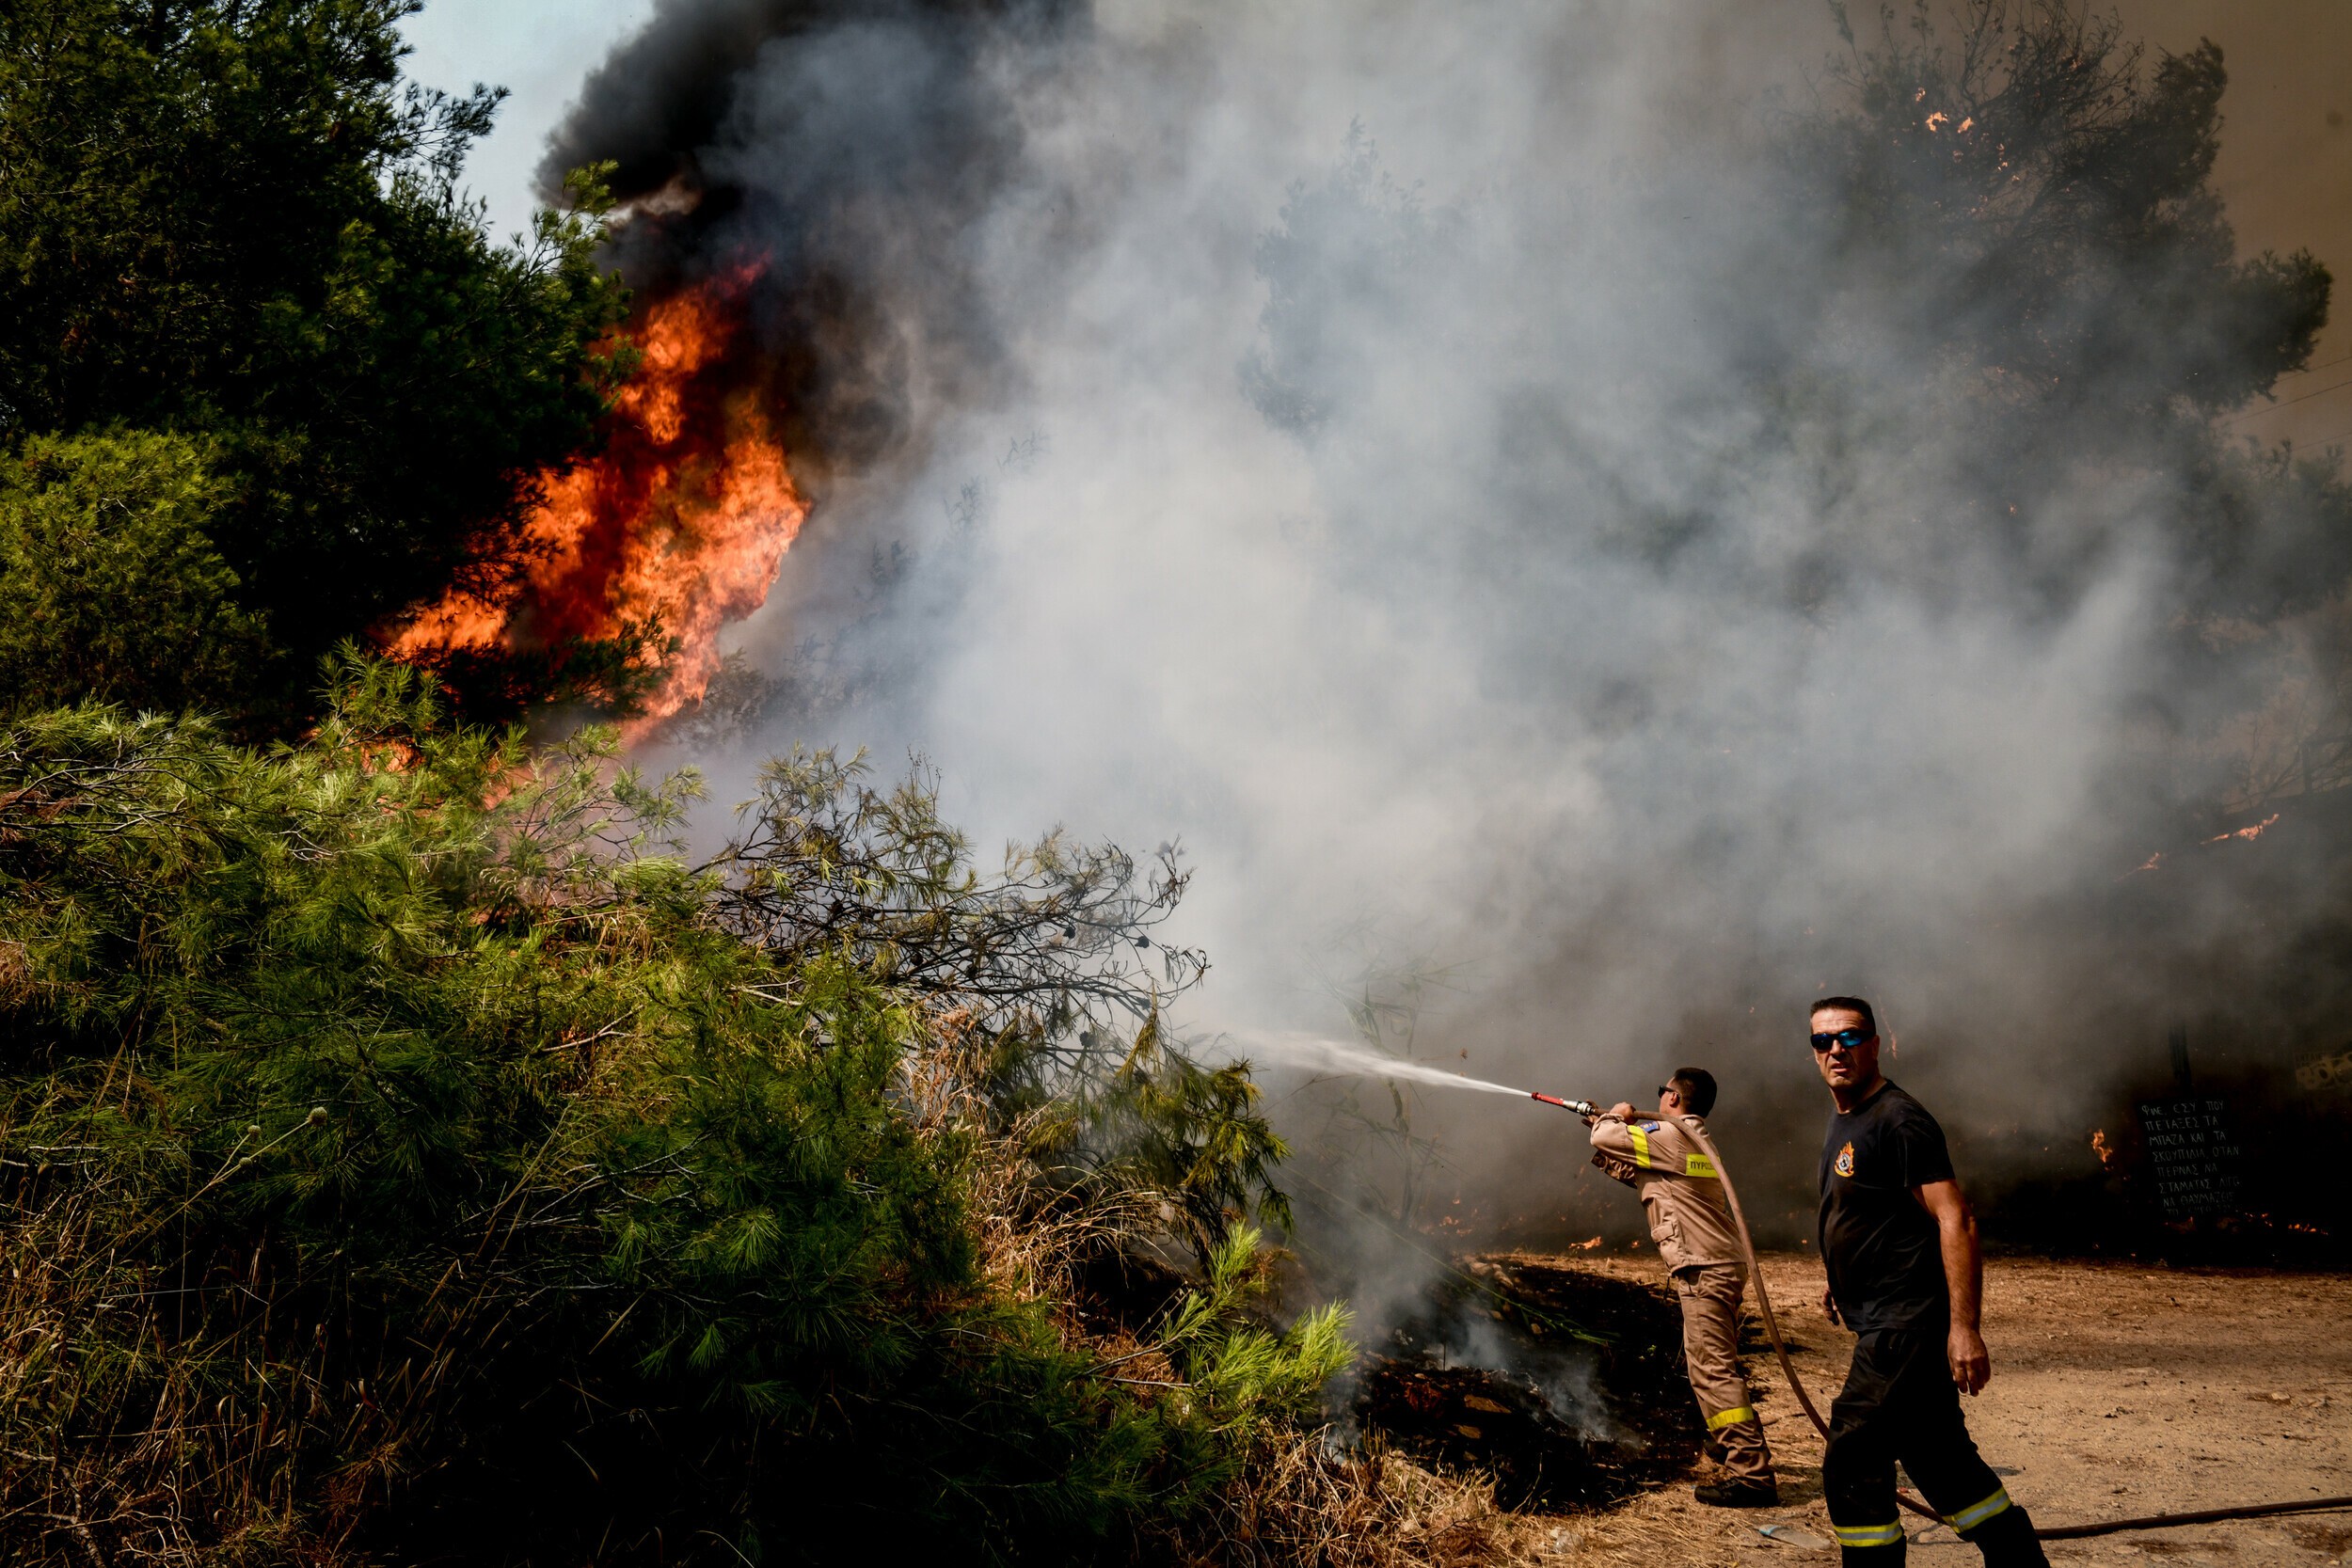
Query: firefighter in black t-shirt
(1905, 1275)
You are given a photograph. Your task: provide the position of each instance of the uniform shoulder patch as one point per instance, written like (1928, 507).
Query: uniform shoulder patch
(1844, 1161)
(1650, 1127)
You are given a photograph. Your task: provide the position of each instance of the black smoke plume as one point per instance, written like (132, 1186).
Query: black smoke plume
(850, 149)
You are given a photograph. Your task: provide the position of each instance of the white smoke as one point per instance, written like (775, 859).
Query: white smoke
(1534, 635)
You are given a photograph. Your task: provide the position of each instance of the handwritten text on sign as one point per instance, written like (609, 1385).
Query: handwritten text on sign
(2191, 1155)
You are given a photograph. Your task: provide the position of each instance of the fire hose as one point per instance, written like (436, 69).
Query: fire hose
(1796, 1385)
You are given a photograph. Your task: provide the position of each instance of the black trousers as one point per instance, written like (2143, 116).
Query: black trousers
(1899, 1404)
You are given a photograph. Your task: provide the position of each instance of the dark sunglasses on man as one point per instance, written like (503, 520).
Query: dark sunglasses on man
(1847, 1037)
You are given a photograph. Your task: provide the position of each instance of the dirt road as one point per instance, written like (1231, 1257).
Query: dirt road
(2117, 1390)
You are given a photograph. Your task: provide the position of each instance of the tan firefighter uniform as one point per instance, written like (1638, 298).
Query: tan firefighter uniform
(1691, 1225)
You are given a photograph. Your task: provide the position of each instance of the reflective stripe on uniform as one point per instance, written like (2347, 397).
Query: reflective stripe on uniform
(1698, 1165)
(1869, 1535)
(1976, 1513)
(1722, 1418)
(1640, 1145)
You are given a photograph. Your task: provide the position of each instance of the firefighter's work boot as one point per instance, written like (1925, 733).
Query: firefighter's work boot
(1738, 1494)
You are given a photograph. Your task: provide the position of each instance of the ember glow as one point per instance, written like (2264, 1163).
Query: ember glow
(2256, 830)
(681, 521)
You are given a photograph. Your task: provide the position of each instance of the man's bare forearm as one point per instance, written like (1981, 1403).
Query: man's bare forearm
(1964, 1266)
(1956, 1237)
(1964, 1279)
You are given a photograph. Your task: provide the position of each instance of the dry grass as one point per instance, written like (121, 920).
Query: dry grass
(173, 1439)
(1032, 1239)
(1657, 1527)
(206, 1412)
(1384, 1511)
(1307, 1502)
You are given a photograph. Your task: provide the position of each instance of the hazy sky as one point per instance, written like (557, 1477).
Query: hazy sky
(539, 50)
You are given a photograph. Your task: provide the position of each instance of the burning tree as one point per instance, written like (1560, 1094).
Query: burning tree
(636, 554)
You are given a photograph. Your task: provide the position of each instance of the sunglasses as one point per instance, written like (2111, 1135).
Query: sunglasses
(1847, 1037)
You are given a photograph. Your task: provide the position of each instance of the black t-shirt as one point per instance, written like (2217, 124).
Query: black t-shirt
(1885, 1254)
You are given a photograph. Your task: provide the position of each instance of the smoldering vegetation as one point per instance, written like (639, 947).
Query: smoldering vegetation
(1643, 516)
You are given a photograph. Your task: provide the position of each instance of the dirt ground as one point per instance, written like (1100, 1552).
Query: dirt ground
(2117, 1390)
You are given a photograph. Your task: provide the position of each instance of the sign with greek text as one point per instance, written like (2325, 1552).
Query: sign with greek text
(2191, 1155)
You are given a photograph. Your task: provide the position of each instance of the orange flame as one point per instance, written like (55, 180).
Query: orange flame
(2103, 1148)
(2254, 832)
(683, 517)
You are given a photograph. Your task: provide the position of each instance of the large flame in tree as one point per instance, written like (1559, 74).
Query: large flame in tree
(682, 518)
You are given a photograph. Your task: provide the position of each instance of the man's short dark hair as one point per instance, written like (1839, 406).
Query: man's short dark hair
(1697, 1085)
(1846, 1004)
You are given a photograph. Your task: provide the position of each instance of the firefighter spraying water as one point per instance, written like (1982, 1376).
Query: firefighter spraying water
(1689, 1219)
(1903, 1273)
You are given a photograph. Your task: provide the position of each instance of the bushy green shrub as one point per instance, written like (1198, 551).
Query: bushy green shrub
(409, 1158)
(111, 588)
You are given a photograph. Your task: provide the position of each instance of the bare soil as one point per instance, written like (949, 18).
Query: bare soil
(2119, 1389)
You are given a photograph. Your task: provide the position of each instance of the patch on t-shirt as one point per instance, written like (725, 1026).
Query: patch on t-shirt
(1844, 1161)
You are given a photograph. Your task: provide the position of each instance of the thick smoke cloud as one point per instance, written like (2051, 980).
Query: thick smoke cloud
(855, 151)
(1440, 462)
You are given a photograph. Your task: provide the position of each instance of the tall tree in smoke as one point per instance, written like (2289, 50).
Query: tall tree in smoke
(2050, 196)
(1998, 232)
(2033, 202)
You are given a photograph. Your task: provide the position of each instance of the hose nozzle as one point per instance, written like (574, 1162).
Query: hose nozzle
(1581, 1107)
